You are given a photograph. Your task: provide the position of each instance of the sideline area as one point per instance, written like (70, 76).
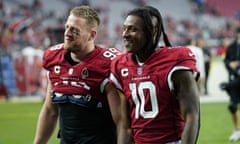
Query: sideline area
(217, 75)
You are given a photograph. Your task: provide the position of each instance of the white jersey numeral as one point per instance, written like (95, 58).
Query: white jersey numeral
(111, 53)
(140, 101)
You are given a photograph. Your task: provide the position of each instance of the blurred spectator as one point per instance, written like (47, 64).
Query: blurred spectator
(223, 47)
(37, 5)
(2, 12)
(207, 62)
(232, 63)
(84, 2)
(3, 92)
(198, 52)
(200, 5)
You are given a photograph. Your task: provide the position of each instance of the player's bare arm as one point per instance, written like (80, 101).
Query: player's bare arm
(124, 131)
(114, 102)
(47, 120)
(187, 93)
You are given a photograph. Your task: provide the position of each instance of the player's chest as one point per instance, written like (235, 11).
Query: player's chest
(144, 72)
(79, 71)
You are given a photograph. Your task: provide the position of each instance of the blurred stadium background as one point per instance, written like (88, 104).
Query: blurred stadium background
(28, 27)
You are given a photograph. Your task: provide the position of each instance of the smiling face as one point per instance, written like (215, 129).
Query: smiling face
(133, 34)
(77, 33)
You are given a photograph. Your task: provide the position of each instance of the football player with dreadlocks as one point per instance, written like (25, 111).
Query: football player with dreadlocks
(158, 89)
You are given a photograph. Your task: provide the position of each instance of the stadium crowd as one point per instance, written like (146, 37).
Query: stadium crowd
(27, 30)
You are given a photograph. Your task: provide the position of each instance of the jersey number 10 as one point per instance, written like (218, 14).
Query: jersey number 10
(139, 99)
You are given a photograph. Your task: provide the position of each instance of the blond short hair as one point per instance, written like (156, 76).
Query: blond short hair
(89, 14)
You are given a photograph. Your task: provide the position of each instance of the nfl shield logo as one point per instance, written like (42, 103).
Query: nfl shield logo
(139, 70)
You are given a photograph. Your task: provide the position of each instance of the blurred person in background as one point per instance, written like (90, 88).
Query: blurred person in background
(201, 43)
(78, 93)
(232, 87)
(158, 89)
(3, 92)
(198, 52)
(223, 47)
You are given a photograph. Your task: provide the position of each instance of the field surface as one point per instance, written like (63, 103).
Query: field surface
(18, 123)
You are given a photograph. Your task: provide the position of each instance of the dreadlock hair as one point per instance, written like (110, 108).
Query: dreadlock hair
(153, 32)
(155, 13)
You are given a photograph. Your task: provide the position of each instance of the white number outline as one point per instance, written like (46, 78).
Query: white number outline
(138, 92)
(111, 53)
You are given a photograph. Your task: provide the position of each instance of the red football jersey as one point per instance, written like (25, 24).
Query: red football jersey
(87, 78)
(154, 109)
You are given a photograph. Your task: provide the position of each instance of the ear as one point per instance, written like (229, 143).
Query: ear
(93, 35)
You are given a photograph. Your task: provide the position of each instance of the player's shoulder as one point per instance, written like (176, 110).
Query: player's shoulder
(176, 51)
(111, 49)
(109, 52)
(177, 48)
(123, 56)
(54, 50)
(52, 53)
